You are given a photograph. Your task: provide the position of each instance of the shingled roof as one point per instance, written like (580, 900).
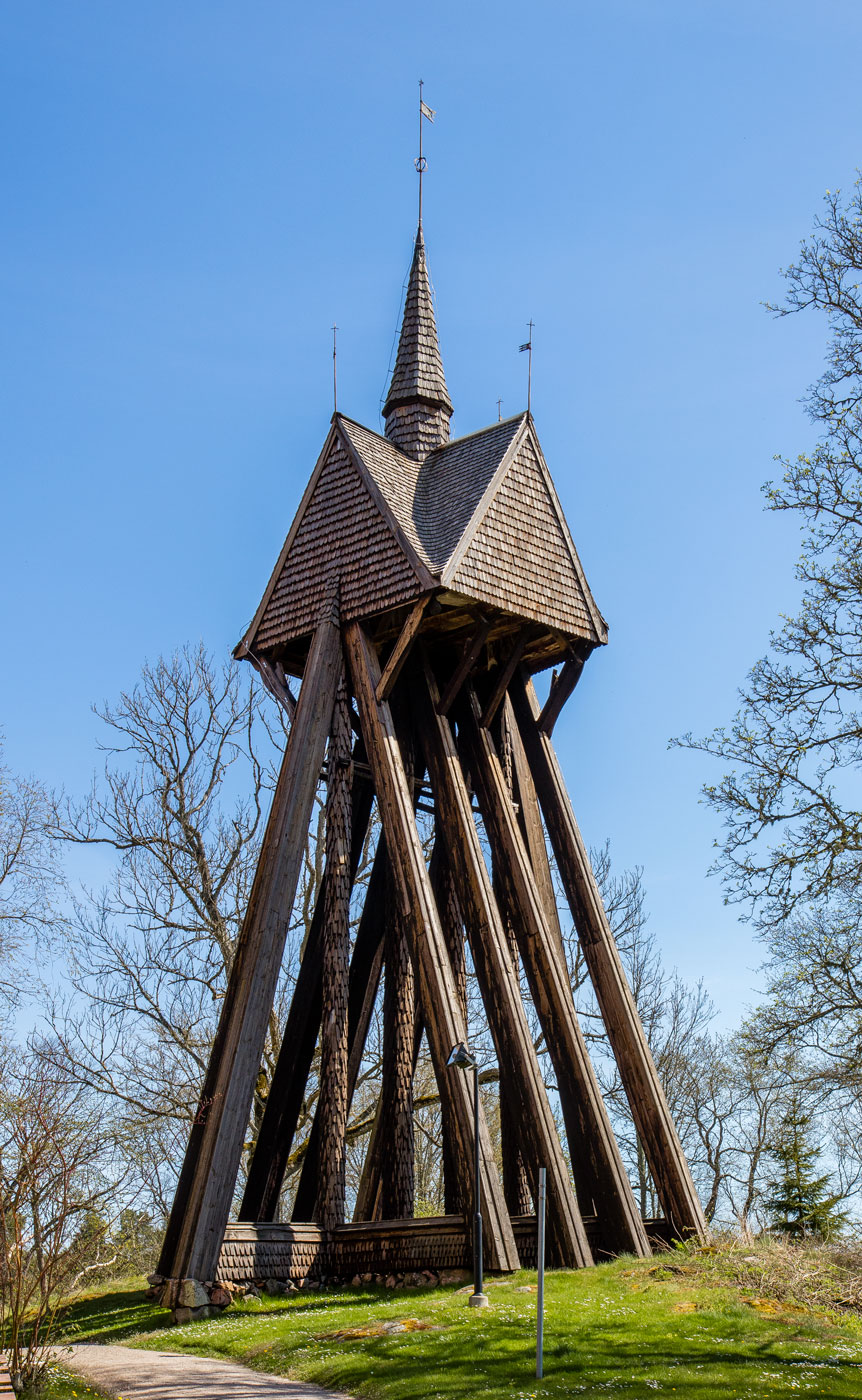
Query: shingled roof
(479, 517)
(418, 407)
(418, 372)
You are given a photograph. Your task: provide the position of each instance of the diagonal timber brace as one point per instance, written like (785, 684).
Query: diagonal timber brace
(628, 1041)
(444, 1023)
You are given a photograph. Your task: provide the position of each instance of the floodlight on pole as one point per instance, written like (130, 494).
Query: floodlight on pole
(462, 1058)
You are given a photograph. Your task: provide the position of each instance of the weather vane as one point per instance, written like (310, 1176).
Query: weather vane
(420, 162)
(528, 346)
(334, 370)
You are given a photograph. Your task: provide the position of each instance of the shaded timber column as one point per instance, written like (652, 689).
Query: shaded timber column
(655, 1126)
(501, 994)
(399, 1016)
(444, 1022)
(332, 1107)
(451, 918)
(516, 1188)
(298, 1042)
(209, 1172)
(601, 1180)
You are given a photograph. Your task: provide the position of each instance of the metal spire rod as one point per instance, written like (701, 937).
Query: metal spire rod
(420, 162)
(334, 370)
(528, 346)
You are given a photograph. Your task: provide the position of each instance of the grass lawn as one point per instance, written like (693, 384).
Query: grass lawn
(632, 1328)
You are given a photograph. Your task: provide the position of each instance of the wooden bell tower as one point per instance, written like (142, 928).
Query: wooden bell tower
(421, 586)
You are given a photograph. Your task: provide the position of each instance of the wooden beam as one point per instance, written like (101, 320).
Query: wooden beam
(437, 993)
(601, 1180)
(365, 968)
(498, 982)
(532, 830)
(560, 692)
(208, 1179)
(628, 1041)
(475, 643)
(299, 1038)
(507, 671)
(401, 649)
(332, 1097)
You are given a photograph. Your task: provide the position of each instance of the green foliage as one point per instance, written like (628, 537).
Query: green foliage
(800, 1203)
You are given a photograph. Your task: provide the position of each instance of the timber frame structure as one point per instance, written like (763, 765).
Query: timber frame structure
(421, 586)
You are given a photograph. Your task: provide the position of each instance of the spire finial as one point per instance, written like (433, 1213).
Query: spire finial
(528, 346)
(420, 162)
(334, 369)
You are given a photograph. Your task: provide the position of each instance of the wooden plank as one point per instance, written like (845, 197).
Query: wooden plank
(444, 1022)
(560, 692)
(401, 649)
(601, 1180)
(468, 660)
(640, 1078)
(507, 671)
(214, 1153)
(299, 1038)
(498, 984)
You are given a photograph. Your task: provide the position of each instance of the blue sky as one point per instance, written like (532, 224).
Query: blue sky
(193, 192)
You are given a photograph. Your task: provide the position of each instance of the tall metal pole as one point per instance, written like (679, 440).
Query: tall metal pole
(478, 1298)
(540, 1298)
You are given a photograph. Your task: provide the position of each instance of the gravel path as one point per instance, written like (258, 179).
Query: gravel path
(166, 1375)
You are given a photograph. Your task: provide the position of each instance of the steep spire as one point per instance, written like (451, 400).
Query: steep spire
(418, 407)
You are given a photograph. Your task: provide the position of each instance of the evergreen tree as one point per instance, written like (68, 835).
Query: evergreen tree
(800, 1203)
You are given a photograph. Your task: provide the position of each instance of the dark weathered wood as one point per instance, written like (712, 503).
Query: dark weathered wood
(332, 1102)
(299, 1038)
(399, 1014)
(516, 1186)
(498, 983)
(202, 1208)
(444, 1022)
(532, 829)
(445, 894)
(560, 691)
(601, 1180)
(640, 1079)
(365, 970)
(401, 649)
(369, 1196)
(507, 671)
(468, 660)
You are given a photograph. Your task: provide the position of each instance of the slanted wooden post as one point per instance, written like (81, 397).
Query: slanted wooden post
(516, 1187)
(296, 1052)
(365, 968)
(600, 1177)
(399, 1014)
(452, 920)
(332, 1106)
(444, 1022)
(628, 1041)
(202, 1205)
(498, 984)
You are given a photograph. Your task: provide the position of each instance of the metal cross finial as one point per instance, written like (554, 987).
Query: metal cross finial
(499, 410)
(334, 369)
(528, 346)
(420, 162)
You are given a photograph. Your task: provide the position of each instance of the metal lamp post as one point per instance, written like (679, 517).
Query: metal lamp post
(462, 1058)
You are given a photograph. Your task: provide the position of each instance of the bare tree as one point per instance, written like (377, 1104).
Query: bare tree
(29, 875)
(58, 1169)
(190, 758)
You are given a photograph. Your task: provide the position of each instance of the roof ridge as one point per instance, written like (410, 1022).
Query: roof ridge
(477, 432)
